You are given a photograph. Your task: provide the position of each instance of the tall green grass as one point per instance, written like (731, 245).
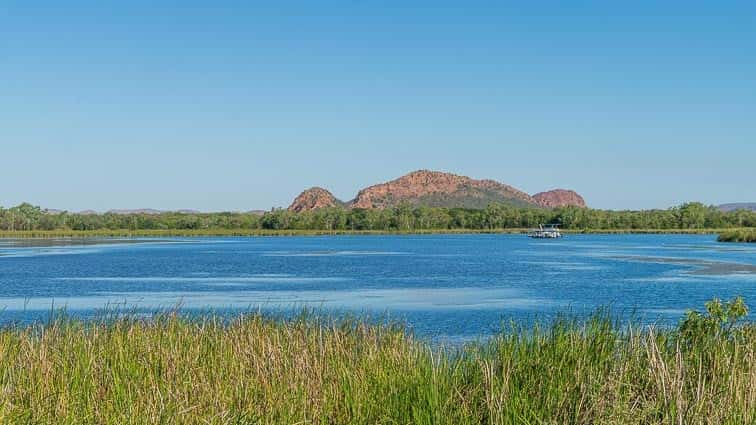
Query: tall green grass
(170, 369)
(738, 235)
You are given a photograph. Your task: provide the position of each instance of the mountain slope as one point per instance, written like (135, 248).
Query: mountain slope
(559, 198)
(314, 198)
(738, 206)
(436, 189)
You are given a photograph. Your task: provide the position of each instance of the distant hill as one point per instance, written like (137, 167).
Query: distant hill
(738, 206)
(151, 211)
(436, 189)
(148, 211)
(314, 198)
(137, 211)
(559, 198)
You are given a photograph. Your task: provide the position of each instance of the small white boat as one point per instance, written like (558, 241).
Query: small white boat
(550, 231)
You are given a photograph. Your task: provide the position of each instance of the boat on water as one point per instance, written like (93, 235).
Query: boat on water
(550, 231)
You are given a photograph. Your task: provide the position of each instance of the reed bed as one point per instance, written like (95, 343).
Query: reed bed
(738, 235)
(310, 370)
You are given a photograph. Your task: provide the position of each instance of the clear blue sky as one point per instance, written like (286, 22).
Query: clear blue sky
(236, 106)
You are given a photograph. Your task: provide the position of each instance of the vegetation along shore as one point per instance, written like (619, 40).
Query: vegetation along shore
(29, 220)
(738, 235)
(173, 369)
(220, 232)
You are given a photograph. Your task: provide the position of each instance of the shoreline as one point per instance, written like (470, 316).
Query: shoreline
(219, 232)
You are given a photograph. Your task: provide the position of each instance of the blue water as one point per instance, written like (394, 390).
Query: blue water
(453, 287)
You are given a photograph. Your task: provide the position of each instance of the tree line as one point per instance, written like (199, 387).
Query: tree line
(404, 217)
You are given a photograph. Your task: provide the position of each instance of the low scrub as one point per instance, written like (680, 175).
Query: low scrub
(173, 369)
(739, 235)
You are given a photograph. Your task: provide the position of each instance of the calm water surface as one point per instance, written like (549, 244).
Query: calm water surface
(453, 287)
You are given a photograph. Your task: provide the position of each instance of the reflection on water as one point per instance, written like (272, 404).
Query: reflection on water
(66, 246)
(72, 242)
(449, 286)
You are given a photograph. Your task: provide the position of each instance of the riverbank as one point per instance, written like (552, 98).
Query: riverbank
(310, 370)
(219, 232)
(738, 235)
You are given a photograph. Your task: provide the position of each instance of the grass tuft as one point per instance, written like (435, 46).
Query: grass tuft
(252, 369)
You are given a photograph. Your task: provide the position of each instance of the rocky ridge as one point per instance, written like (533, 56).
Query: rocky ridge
(559, 198)
(312, 199)
(436, 189)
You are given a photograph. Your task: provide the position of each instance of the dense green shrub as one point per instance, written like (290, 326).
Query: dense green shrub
(691, 216)
(738, 235)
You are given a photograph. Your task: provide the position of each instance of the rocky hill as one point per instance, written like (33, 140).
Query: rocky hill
(147, 211)
(559, 198)
(314, 198)
(738, 206)
(436, 189)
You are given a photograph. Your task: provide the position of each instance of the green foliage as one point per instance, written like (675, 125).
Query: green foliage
(171, 369)
(718, 321)
(401, 218)
(738, 235)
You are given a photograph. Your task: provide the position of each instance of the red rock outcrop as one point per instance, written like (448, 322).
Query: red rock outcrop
(559, 198)
(439, 189)
(312, 199)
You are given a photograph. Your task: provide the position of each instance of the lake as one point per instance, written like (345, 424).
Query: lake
(445, 287)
